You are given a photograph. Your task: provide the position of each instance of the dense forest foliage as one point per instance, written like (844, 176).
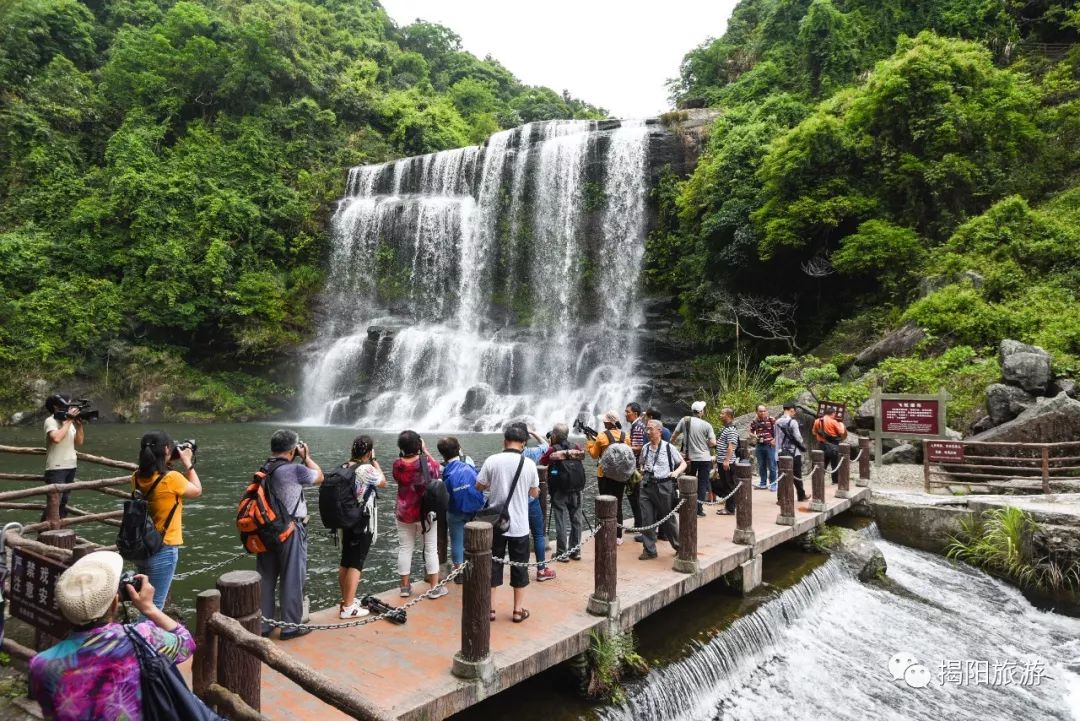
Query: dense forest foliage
(877, 163)
(166, 169)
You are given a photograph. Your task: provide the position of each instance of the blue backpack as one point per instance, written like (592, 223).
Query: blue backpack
(460, 479)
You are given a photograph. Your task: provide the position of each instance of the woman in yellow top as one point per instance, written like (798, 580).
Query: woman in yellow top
(166, 504)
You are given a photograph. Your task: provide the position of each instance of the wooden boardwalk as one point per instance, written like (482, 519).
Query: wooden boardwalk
(405, 670)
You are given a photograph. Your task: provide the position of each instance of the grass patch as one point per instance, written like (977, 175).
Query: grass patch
(827, 537)
(999, 541)
(611, 658)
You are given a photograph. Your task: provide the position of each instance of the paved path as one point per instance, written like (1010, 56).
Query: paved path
(406, 669)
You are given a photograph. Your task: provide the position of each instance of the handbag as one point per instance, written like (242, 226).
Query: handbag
(499, 514)
(165, 696)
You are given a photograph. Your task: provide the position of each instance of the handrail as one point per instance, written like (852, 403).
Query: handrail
(88, 457)
(64, 488)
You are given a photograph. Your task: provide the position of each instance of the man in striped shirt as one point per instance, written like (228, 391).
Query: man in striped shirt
(763, 428)
(633, 416)
(726, 457)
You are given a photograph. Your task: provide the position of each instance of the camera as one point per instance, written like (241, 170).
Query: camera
(85, 412)
(580, 427)
(127, 578)
(183, 446)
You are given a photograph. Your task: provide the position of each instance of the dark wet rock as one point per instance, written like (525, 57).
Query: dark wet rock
(863, 554)
(476, 399)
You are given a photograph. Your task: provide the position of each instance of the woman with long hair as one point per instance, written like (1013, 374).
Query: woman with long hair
(164, 490)
(411, 526)
(355, 543)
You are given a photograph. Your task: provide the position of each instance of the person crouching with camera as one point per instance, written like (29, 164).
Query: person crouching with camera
(63, 431)
(94, 672)
(165, 490)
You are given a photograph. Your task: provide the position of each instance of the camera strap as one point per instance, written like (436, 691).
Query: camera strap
(150, 491)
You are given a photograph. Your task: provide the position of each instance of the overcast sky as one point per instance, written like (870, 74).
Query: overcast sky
(612, 53)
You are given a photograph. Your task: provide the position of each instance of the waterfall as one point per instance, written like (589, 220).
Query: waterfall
(821, 650)
(475, 285)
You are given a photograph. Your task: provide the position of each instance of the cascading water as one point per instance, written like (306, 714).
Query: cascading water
(821, 650)
(485, 283)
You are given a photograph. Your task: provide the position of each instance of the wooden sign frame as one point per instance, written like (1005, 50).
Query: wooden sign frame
(33, 591)
(878, 434)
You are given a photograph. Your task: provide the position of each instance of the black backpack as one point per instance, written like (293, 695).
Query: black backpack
(436, 497)
(138, 538)
(565, 473)
(338, 505)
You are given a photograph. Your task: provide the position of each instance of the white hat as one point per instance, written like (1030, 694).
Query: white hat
(85, 591)
(697, 406)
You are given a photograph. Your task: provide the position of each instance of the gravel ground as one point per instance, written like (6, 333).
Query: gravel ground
(899, 476)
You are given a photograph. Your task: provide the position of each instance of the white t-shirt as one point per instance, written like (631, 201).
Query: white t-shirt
(366, 477)
(59, 455)
(497, 474)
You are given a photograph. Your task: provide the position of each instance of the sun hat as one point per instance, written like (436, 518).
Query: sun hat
(611, 417)
(85, 591)
(697, 406)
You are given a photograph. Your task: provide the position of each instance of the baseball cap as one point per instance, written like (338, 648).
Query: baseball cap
(789, 405)
(85, 591)
(697, 406)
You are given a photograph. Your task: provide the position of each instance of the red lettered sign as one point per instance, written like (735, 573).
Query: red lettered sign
(944, 451)
(910, 416)
(841, 409)
(33, 592)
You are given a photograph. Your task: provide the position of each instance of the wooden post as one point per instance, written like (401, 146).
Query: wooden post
(686, 558)
(1046, 469)
(204, 665)
(603, 601)
(82, 549)
(843, 481)
(786, 490)
(238, 671)
(817, 499)
(926, 470)
(864, 462)
(52, 509)
(744, 510)
(474, 659)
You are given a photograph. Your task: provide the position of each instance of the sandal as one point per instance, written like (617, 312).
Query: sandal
(492, 616)
(521, 615)
(724, 512)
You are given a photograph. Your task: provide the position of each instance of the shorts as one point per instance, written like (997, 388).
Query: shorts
(354, 549)
(517, 548)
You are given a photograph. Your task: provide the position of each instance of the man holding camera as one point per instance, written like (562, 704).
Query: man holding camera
(63, 431)
(289, 563)
(661, 465)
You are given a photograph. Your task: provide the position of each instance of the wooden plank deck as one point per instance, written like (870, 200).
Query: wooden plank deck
(406, 669)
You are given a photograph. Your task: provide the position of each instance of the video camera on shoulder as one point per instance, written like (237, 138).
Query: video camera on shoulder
(62, 409)
(580, 427)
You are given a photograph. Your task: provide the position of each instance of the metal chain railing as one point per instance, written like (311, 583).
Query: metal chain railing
(211, 567)
(559, 557)
(662, 521)
(289, 626)
(719, 501)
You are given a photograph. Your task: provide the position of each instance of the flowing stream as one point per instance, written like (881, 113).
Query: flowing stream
(485, 283)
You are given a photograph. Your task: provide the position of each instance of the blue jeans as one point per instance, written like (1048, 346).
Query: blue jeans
(537, 530)
(766, 462)
(160, 568)
(456, 522)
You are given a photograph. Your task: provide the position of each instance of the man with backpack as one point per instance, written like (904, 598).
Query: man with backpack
(566, 481)
(465, 499)
(790, 441)
(699, 440)
(829, 432)
(617, 464)
(285, 482)
(661, 465)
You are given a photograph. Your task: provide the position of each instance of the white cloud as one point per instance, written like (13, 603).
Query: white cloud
(614, 54)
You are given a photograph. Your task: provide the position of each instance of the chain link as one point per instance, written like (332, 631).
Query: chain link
(720, 501)
(289, 626)
(560, 557)
(211, 567)
(662, 521)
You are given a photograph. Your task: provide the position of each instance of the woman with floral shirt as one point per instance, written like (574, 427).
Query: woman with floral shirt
(94, 673)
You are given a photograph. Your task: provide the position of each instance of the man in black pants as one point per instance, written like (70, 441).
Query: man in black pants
(700, 439)
(637, 442)
(63, 431)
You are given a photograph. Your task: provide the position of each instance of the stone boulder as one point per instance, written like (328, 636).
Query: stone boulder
(862, 554)
(1026, 366)
(476, 399)
(1004, 402)
(898, 343)
(903, 453)
(1064, 385)
(1050, 420)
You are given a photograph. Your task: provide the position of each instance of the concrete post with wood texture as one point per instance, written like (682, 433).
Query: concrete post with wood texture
(686, 558)
(744, 509)
(52, 509)
(843, 476)
(1046, 469)
(204, 664)
(238, 671)
(817, 498)
(473, 661)
(786, 490)
(864, 462)
(603, 601)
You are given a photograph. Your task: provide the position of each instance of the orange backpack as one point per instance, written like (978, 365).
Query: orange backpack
(263, 523)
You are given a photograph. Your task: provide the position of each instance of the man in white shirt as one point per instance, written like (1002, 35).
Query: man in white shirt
(61, 437)
(661, 465)
(496, 477)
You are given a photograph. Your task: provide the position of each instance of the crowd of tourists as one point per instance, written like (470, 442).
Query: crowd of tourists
(95, 672)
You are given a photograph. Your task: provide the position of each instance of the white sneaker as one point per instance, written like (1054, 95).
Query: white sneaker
(354, 610)
(438, 592)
